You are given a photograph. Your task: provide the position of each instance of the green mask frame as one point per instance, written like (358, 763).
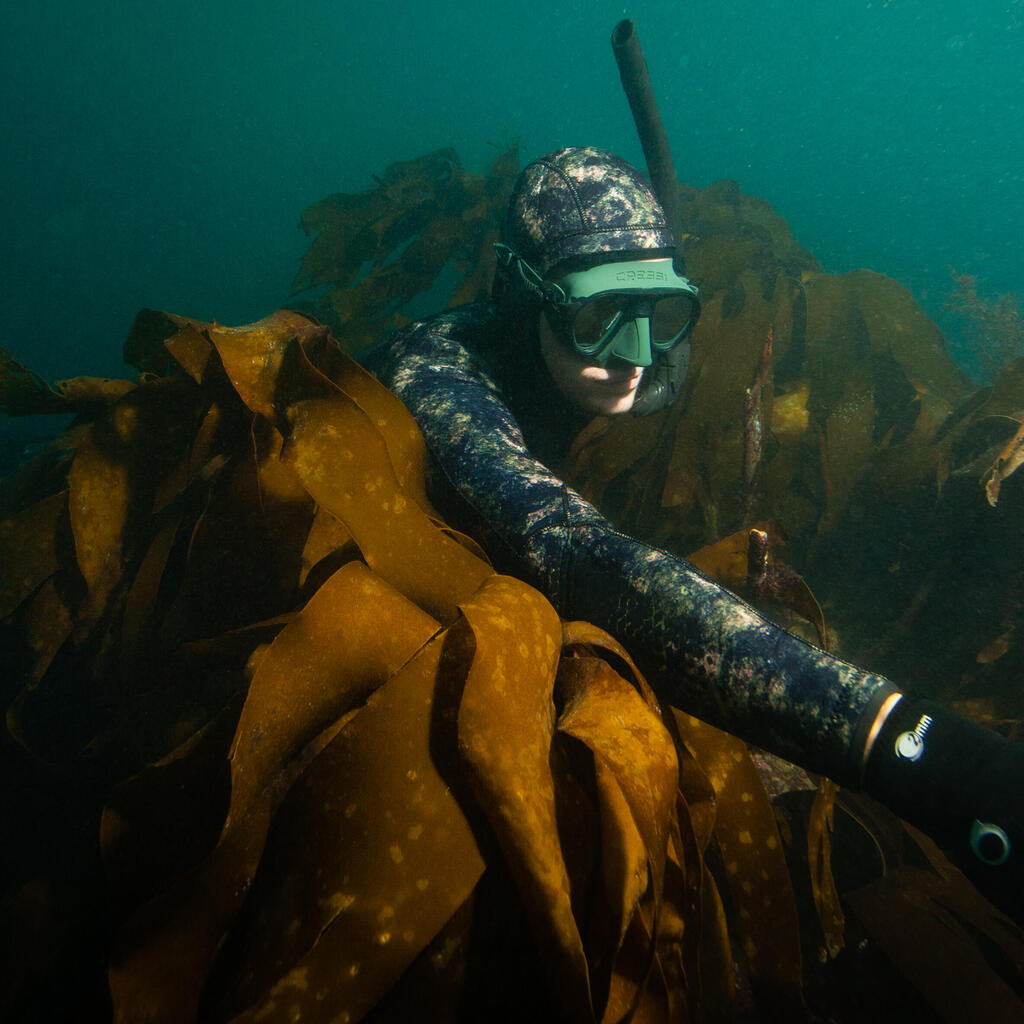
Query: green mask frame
(629, 310)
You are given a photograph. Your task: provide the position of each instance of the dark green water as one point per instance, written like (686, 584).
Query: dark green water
(159, 154)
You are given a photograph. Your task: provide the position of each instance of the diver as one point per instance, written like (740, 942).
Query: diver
(590, 316)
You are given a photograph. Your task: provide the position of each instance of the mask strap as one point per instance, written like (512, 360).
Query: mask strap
(514, 265)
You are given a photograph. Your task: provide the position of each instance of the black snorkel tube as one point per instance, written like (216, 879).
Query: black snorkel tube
(662, 383)
(636, 82)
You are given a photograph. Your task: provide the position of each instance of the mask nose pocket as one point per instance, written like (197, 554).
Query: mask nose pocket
(632, 342)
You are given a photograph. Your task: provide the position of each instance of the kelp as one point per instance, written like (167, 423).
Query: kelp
(819, 860)
(24, 393)
(328, 737)
(927, 918)
(1007, 462)
(995, 323)
(378, 250)
(337, 766)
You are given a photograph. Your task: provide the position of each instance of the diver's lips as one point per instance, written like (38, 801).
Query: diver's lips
(620, 385)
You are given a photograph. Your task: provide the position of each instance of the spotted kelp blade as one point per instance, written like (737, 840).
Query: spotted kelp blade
(28, 550)
(297, 652)
(755, 868)
(281, 557)
(366, 738)
(636, 776)
(379, 858)
(819, 858)
(506, 726)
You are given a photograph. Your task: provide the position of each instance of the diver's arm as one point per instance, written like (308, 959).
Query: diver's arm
(706, 651)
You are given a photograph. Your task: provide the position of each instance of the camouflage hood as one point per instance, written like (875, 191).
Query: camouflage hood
(582, 201)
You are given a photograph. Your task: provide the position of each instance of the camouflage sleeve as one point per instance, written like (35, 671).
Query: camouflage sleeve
(705, 651)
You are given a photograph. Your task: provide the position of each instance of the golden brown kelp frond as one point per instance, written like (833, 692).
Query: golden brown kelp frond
(379, 249)
(819, 860)
(24, 393)
(755, 869)
(320, 667)
(166, 575)
(376, 903)
(729, 232)
(342, 761)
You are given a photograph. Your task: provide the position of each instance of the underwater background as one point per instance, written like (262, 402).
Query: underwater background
(170, 550)
(160, 155)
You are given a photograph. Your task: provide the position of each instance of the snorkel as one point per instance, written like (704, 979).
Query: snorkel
(663, 382)
(636, 82)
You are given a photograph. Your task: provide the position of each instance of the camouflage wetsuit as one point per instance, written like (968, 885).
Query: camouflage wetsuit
(494, 422)
(498, 429)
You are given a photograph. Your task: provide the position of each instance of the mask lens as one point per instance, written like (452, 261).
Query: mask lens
(671, 319)
(594, 321)
(594, 306)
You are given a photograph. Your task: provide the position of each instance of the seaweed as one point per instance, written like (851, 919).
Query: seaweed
(292, 747)
(996, 324)
(316, 723)
(376, 251)
(1006, 463)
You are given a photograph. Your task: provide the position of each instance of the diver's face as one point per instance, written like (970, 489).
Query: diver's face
(602, 390)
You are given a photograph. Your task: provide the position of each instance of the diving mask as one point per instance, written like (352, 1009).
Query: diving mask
(629, 310)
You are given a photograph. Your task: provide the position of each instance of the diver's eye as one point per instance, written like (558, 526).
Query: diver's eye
(595, 319)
